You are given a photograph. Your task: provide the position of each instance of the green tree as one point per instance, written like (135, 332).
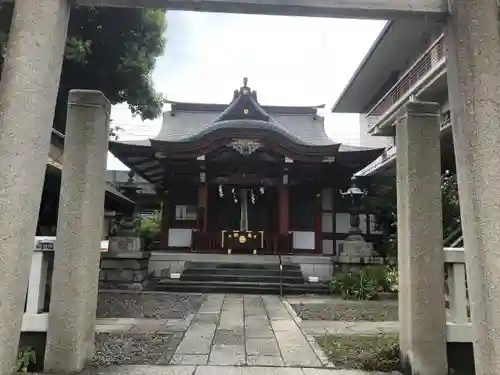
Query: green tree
(108, 49)
(382, 200)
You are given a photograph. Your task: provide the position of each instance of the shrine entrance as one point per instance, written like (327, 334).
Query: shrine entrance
(244, 218)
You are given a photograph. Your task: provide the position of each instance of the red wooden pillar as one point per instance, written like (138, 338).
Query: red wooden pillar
(318, 225)
(164, 222)
(202, 207)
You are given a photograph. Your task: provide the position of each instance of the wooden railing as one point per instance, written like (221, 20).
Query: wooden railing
(432, 57)
(458, 319)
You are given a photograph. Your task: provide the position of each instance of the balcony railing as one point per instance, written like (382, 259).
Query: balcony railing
(432, 57)
(389, 155)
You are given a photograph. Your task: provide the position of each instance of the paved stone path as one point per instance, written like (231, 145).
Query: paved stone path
(225, 370)
(246, 334)
(246, 330)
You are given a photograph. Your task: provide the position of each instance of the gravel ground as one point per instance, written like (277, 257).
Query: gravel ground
(147, 305)
(349, 311)
(134, 349)
(362, 352)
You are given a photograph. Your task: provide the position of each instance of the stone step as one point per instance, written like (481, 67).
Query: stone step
(239, 287)
(241, 278)
(246, 271)
(242, 265)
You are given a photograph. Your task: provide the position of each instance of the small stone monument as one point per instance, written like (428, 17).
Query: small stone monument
(126, 238)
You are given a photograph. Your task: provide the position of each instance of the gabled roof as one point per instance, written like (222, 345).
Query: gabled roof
(192, 130)
(187, 122)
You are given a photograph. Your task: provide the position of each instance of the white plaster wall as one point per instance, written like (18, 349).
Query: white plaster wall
(326, 199)
(328, 247)
(179, 237)
(327, 222)
(303, 240)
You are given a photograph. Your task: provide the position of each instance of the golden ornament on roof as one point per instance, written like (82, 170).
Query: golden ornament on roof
(243, 239)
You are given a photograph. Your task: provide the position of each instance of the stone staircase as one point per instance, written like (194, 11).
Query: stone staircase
(243, 277)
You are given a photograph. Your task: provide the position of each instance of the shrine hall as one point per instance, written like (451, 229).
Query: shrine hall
(246, 178)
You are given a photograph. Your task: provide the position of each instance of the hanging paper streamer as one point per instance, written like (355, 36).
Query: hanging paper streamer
(234, 195)
(221, 191)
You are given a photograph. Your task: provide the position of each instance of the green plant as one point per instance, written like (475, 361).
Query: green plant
(25, 357)
(385, 358)
(362, 352)
(356, 284)
(148, 229)
(382, 201)
(392, 278)
(365, 283)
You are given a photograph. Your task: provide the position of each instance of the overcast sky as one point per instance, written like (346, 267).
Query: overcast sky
(288, 61)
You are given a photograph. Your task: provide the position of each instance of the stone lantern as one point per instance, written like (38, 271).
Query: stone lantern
(355, 194)
(355, 244)
(126, 238)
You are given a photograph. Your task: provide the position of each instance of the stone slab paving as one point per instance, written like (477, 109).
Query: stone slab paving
(240, 330)
(236, 330)
(226, 370)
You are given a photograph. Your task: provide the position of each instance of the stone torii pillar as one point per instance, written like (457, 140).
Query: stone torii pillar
(73, 303)
(473, 49)
(420, 240)
(28, 92)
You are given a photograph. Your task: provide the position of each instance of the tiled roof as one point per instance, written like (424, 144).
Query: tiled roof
(180, 126)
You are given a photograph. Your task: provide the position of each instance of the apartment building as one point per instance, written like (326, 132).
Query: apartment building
(401, 66)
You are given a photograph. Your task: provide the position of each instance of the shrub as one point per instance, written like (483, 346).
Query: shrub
(148, 229)
(25, 357)
(356, 284)
(365, 283)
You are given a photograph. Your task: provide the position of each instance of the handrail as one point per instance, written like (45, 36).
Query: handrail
(281, 276)
(421, 66)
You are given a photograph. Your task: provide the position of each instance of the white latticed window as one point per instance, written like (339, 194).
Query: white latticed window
(185, 212)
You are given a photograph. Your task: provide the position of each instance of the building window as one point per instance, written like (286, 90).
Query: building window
(185, 212)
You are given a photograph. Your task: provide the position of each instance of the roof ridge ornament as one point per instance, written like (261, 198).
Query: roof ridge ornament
(245, 90)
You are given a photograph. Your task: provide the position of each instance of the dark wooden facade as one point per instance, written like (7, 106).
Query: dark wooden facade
(280, 157)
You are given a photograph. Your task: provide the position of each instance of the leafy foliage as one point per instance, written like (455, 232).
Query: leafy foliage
(383, 200)
(108, 49)
(149, 229)
(451, 203)
(25, 357)
(365, 283)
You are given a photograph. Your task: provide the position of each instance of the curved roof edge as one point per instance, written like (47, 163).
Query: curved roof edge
(242, 125)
